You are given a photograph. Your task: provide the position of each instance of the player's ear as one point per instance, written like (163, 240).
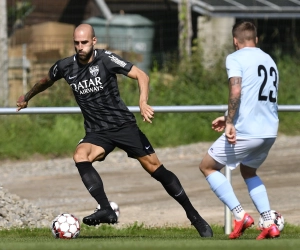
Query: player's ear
(235, 43)
(94, 40)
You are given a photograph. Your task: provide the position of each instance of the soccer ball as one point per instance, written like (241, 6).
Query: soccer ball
(114, 206)
(65, 226)
(278, 220)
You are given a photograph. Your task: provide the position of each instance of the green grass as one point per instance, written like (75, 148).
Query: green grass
(137, 236)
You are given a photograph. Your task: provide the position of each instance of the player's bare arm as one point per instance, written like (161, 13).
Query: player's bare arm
(147, 111)
(40, 86)
(235, 84)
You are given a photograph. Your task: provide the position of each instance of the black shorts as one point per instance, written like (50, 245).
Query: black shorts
(128, 138)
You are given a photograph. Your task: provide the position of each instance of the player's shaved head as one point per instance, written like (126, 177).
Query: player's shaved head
(86, 29)
(244, 31)
(84, 41)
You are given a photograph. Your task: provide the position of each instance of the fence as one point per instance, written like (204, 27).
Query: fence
(157, 109)
(135, 109)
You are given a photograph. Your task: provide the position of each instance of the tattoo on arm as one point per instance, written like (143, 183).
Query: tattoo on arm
(40, 86)
(235, 84)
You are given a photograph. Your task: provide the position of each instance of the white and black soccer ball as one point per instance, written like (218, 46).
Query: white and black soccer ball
(65, 226)
(114, 206)
(278, 220)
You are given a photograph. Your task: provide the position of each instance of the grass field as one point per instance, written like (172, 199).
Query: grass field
(140, 237)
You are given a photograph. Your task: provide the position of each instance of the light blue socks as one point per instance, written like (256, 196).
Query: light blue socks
(223, 189)
(258, 194)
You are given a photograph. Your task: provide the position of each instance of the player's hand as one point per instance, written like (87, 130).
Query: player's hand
(147, 112)
(230, 133)
(218, 124)
(21, 103)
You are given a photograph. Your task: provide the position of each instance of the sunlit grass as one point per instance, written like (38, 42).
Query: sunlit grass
(138, 236)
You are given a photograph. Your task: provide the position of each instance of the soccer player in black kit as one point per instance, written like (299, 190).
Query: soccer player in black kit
(91, 73)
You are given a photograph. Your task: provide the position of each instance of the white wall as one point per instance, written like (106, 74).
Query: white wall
(214, 36)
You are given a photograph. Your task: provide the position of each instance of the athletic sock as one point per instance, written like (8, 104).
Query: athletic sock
(174, 188)
(267, 218)
(258, 194)
(224, 191)
(238, 213)
(93, 182)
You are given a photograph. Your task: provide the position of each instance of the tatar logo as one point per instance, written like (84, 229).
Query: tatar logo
(94, 70)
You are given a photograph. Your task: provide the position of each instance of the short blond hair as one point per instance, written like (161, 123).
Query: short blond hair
(244, 31)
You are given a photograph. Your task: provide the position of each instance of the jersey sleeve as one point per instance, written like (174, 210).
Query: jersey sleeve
(55, 72)
(116, 64)
(233, 67)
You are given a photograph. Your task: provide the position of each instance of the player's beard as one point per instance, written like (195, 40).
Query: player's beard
(85, 56)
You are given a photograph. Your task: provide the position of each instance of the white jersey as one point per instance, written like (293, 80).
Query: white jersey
(257, 115)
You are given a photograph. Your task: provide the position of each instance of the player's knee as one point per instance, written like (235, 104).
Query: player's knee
(201, 167)
(80, 155)
(247, 172)
(77, 157)
(149, 162)
(209, 165)
(204, 166)
(150, 167)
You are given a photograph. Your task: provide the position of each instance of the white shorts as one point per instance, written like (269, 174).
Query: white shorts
(249, 152)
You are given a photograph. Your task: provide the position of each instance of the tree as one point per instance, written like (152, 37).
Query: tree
(185, 28)
(16, 14)
(4, 87)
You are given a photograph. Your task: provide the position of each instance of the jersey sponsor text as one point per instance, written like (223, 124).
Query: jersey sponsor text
(117, 61)
(87, 86)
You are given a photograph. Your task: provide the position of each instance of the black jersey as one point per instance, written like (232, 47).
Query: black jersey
(96, 89)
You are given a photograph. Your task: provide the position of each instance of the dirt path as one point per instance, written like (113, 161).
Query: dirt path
(56, 184)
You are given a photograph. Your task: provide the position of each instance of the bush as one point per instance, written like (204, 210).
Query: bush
(187, 84)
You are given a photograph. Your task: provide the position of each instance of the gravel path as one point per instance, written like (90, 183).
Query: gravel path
(32, 193)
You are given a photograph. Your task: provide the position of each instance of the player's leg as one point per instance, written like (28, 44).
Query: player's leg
(133, 141)
(257, 192)
(210, 166)
(172, 185)
(256, 188)
(84, 155)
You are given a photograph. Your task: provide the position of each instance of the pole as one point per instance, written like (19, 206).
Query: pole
(24, 48)
(227, 217)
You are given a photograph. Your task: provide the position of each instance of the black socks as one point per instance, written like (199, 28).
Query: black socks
(169, 180)
(93, 182)
(173, 187)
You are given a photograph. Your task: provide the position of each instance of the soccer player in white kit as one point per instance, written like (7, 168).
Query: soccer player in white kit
(251, 125)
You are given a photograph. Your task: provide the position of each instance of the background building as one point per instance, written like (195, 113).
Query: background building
(40, 31)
